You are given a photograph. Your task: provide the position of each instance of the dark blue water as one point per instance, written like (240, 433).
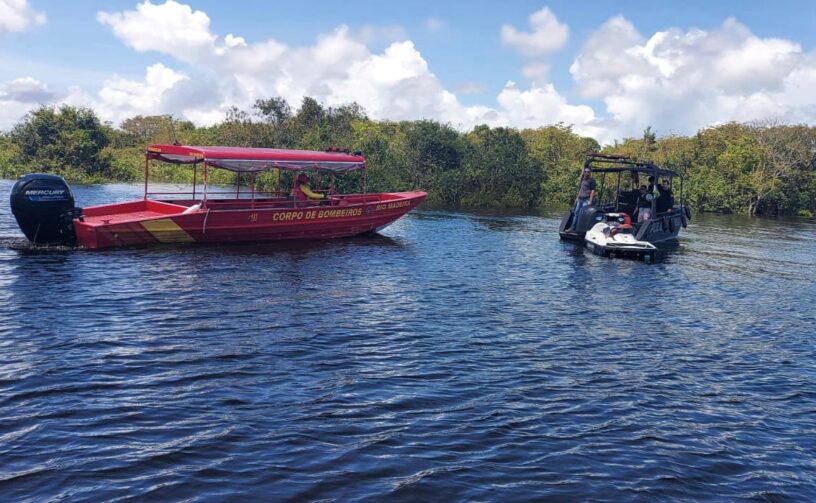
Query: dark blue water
(457, 357)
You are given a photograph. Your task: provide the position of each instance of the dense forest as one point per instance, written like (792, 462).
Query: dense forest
(759, 168)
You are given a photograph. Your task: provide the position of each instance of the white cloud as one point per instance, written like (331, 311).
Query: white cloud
(679, 81)
(171, 27)
(537, 72)
(543, 105)
(433, 24)
(77, 97)
(19, 96)
(26, 90)
(163, 90)
(370, 34)
(471, 88)
(597, 67)
(396, 85)
(11, 112)
(16, 16)
(120, 98)
(337, 69)
(675, 81)
(756, 63)
(232, 41)
(548, 34)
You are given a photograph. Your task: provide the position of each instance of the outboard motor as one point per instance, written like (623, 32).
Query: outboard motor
(44, 208)
(590, 215)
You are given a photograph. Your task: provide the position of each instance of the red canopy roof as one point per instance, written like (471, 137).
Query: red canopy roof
(256, 159)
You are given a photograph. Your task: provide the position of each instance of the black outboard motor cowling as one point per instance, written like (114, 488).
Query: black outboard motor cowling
(590, 215)
(44, 208)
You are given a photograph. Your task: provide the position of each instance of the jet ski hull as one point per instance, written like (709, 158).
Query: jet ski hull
(610, 241)
(621, 251)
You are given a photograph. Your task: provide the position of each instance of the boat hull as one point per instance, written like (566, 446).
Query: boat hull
(150, 222)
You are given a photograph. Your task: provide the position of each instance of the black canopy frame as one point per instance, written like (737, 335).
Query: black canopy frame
(604, 164)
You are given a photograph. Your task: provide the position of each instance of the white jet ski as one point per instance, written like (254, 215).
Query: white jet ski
(614, 237)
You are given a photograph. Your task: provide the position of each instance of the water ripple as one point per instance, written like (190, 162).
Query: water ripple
(461, 356)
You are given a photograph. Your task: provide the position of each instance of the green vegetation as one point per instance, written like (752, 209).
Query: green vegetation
(733, 168)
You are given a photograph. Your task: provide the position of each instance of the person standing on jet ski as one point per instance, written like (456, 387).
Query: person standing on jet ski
(643, 208)
(585, 195)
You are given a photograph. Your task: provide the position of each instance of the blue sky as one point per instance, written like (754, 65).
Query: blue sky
(608, 68)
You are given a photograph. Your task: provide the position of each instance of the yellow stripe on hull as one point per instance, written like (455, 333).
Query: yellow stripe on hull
(167, 231)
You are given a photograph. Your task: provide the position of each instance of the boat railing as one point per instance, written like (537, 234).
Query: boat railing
(273, 199)
(210, 193)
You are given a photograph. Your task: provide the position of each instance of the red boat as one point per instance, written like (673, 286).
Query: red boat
(44, 204)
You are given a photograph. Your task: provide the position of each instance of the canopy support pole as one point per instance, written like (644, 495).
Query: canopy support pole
(365, 181)
(195, 173)
(147, 161)
(204, 197)
(238, 186)
(252, 181)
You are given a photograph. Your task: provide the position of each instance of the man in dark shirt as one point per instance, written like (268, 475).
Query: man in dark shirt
(585, 195)
(666, 200)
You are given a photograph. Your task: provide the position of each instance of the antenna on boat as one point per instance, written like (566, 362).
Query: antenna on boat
(173, 129)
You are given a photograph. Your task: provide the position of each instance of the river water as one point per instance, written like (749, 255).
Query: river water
(456, 357)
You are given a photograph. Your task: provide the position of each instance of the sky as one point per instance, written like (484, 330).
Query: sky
(608, 69)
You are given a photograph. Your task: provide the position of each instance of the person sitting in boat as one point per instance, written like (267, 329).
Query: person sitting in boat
(302, 192)
(665, 202)
(643, 208)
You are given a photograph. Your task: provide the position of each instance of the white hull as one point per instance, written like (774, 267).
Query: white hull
(602, 240)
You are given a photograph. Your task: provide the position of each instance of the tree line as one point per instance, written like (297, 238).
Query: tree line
(759, 168)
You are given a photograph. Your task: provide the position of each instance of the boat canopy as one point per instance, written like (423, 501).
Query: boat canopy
(605, 163)
(244, 159)
(651, 169)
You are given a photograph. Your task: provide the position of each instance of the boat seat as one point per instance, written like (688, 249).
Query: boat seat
(627, 201)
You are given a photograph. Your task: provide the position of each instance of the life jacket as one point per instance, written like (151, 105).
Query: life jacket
(645, 200)
(625, 227)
